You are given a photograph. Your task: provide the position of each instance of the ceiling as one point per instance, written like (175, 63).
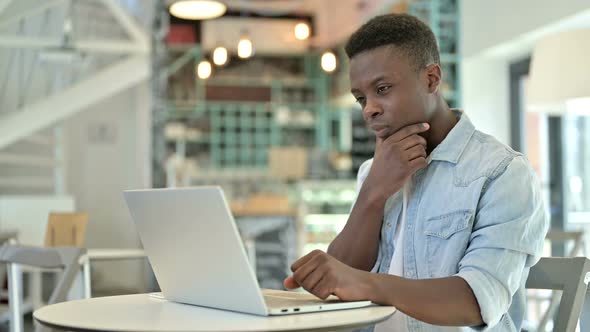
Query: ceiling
(54, 47)
(270, 23)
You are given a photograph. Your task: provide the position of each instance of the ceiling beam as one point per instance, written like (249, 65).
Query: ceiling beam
(139, 39)
(36, 182)
(16, 41)
(136, 33)
(92, 46)
(4, 4)
(28, 160)
(58, 107)
(22, 9)
(110, 46)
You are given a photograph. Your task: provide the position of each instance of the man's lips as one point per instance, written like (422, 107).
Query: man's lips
(379, 130)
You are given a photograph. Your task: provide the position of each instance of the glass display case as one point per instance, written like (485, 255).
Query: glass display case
(324, 207)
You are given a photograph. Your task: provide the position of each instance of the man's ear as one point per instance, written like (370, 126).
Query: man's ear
(433, 77)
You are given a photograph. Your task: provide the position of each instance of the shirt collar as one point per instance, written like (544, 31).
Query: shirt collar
(452, 147)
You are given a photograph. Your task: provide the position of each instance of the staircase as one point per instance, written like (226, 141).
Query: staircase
(58, 58)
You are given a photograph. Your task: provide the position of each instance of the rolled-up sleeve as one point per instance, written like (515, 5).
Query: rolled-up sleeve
(507, 237)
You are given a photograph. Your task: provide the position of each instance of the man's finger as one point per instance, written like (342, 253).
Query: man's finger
(313, 278)
(301, 261)
(290, 283)
(418, 163)
(408, 131)
(322, 289)
(415, 152)
(412, 141)
(303, 274)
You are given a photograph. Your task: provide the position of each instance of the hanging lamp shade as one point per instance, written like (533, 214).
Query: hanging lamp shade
(559, 79)
(197, 9)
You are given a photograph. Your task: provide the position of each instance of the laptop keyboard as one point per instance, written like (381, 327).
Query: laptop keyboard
(282, 299)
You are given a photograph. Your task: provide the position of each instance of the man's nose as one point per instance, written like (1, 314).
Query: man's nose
(372, 110)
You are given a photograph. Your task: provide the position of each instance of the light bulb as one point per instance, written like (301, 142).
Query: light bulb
(245, 48)
(220, 56)
(204, 70)
(197, 9)
(328, 62)
(302, 31)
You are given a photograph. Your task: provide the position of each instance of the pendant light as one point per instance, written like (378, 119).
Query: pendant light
(204, 70)
(245, 48)
(328, 61)
(220, 56)
(302, 31)
(197, 9)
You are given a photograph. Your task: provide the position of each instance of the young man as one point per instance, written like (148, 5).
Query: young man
(447, 221)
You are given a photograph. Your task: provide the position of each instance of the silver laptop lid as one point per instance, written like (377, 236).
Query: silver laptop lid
(192, 243)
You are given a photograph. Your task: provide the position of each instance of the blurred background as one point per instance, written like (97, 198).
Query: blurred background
(100, 96)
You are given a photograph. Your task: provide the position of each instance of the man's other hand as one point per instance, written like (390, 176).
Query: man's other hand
(323, 275)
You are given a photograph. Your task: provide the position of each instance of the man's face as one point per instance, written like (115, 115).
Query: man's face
(389, 90)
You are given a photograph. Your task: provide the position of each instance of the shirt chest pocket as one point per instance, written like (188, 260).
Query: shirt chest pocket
(447, 236)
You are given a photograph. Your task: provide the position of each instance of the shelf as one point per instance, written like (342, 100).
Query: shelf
(261, 82)
(297, 106)
(329, 195)
(296, 126)
(203, 140)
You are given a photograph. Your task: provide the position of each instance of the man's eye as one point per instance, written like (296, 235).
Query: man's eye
(382, 89)
(360, 100)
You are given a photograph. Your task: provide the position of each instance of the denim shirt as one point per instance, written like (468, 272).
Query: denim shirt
(475, 212)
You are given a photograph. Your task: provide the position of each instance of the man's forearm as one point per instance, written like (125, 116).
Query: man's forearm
(358, 243)
(443, 301)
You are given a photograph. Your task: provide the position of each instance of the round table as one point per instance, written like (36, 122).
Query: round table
(142, 312)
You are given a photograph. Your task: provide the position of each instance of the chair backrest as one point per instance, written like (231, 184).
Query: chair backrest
(569, 274)
(66, 229)
(57, 257)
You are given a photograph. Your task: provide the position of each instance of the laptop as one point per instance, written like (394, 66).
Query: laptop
(198, 258)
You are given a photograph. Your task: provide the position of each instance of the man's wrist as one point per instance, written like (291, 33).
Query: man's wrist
(372, 288)
(379, 288)
(373, 197)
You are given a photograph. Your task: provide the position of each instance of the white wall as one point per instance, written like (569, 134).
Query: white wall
(486, 96)
(103, 164)
(486, 23)
(495, 34)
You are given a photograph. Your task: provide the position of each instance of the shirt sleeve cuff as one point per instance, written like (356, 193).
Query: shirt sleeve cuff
(486, 291)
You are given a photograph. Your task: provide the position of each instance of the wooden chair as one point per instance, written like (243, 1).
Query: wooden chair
(66, 229)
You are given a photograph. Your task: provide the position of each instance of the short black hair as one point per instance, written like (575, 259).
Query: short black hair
(403, 31)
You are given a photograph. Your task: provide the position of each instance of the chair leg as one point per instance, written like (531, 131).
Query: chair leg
(87, 275)
(15, 297)
(573, 297)
(550, 313)
(585, 315)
